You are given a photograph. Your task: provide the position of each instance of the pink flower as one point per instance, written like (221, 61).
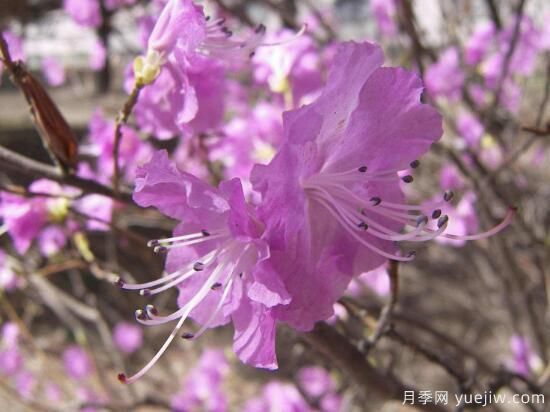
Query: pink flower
(332, 198)
(385, 13)
(77, 363)
(202, 389)
(24, 218)
(127, 337)
(470, 129)
(479, 42)
(215, 258)
(278, 396)
(53, 71)
(445, 77)
(98, 56)
(87, 13)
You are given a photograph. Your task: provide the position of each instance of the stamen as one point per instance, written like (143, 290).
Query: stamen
(436, 213)
(414, 164)
(188, 335)
(448, 195)
(375, 201)
(442, 220)
(362, 169)
(407, 179)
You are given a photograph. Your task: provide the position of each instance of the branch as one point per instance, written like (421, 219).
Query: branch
(121, 120)
(21, 164)
(345, 357)
(385, 317)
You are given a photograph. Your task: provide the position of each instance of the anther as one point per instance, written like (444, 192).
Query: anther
(145, 292)
(421, 220)
(436, 213)
(442, 221)
(152, 243)
(414, 164)
(362, 169)
(205, 232)
(121, 378)
(412, 253)
(448, 195)
(241, 275)
(260, 28)
(119, 282)
(216, 286)
(375, 201)
(140, 315)
(252, 54)
(198, 266)
(363, 225)
(152, 310)
(407, 179)
(160, 249)
(187, 336)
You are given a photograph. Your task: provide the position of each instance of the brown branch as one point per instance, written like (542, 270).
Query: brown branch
(23, 165)
(121, 120)
(345, 357)
(495, 15)
(507, 59)
(384, 321)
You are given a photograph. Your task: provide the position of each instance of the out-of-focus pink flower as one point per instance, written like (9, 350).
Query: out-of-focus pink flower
(385, 13)
(278, 396)
(445, 77)
(24, 218)
(53, 71)
(77, 363)
(524, 360)
(25, 383)
(87, 13)
(469, 128)
(202, 389)
(450, 177)
(98, 56)
(291, 69)
(11, 361)
(53, 393)
(127, 337)
(479, 42)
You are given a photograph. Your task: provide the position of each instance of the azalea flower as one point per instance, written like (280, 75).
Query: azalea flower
(333, 191)
(53, 71)
(127, 337)
(202, 388)
(385, 14)
(215, 257)
(77, 362)
(87, 13)
(24, 218)
(278, 396)
(445, 77)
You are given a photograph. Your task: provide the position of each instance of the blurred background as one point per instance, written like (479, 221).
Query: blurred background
(470, 318)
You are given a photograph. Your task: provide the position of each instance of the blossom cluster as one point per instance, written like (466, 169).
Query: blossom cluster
(283, 238)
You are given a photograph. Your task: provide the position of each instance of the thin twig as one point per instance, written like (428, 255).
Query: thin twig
(385, 317)
(21, 164)
(121, 120)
